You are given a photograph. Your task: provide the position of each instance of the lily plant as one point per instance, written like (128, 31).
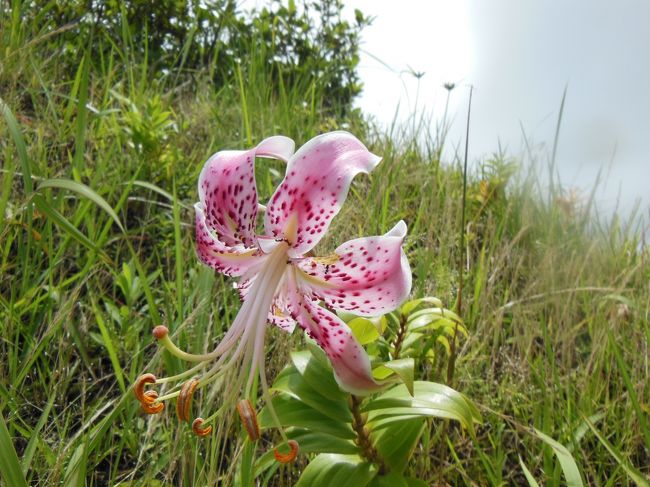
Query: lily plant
(279, 280)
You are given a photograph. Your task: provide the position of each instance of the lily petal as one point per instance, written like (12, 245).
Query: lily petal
(367, 276)
(228, 193)
(314, 188)
(349, 360)
(229, 260)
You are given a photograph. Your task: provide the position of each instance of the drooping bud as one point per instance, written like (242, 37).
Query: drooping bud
(248, 418)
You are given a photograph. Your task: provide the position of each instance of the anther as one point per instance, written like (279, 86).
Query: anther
(184, 401)
(288, 457)
(248, 418)
(198, 430)
(139, 391)
(160, 331)
(151, 407)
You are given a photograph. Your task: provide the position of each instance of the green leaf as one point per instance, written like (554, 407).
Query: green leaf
(328, 470)
(291, 382)
(396, 442)
(315, 368)
(9, 464)
(430, 399)
(392, 479)
(403, 368)
(364, 330)
(529, 476)
(568, 464)
(82, 190)
(431, 315)
(315, 442)
(293, 412)
(409, 306)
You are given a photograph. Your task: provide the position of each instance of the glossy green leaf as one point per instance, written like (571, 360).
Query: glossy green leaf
(315, 368)
(327, 470)
(364, 330)
(568, 464)
(430, 399)
(403, 368)
(291, 382)
(396, 442)
(293, 412)
(408, 307)
(391, 479)
(315, 442)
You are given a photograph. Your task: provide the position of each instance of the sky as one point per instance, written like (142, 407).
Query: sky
(519, 56)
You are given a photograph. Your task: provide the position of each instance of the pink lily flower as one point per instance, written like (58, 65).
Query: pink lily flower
(279, 281)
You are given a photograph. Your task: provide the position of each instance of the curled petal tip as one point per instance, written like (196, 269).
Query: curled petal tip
(248, 418)
(288, 457)
(184, 401)
(138, 389)
(160, 331)
(198, 430)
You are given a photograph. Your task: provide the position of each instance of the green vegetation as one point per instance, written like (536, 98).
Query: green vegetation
(101, 143)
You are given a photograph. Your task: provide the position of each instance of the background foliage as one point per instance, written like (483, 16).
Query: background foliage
(556, 303)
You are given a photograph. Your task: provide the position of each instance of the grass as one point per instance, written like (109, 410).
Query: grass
(98, 177)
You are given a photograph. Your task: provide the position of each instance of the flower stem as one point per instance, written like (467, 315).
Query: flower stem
(401, 334)
(368, 451)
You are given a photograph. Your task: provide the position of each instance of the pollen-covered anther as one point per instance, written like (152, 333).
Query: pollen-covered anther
(160, 331)
(248, 418)
(138, 389)
(198, 430)
(152, 407)
(287, 457)
(184, 401)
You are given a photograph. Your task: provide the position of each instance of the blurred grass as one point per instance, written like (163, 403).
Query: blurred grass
(557, 302)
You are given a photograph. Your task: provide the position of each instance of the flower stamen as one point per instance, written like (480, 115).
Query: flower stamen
(248, 418)
(184, 401)
(287, 457)
(198, 430)
(152, 407)
(138, 389)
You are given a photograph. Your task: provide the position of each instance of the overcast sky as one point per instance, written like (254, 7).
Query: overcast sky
(519, 56)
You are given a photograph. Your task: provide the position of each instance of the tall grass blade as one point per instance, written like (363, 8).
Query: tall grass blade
(21, 148)
(632, 472)
(9, 465)
(64, 224)
(529, 476)
(34, 438)
(84, 191)
(567, 462)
